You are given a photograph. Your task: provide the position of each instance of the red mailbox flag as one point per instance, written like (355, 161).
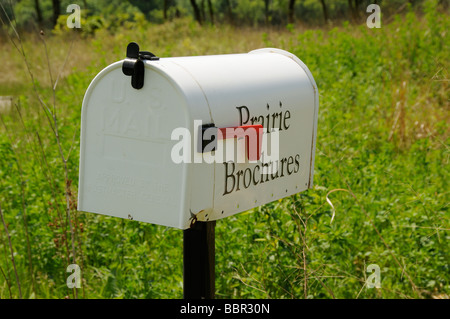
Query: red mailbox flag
(253, 138)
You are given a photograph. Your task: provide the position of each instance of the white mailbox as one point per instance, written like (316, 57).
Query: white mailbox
(144, 135)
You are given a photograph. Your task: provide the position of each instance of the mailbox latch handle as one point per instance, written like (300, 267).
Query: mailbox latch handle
(133, 64)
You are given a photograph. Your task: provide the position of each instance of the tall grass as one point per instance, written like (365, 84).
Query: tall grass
(381, 162)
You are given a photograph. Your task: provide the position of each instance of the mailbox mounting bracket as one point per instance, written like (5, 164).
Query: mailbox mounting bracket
(133, 65)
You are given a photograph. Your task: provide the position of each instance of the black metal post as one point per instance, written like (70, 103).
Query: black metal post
(199, 261)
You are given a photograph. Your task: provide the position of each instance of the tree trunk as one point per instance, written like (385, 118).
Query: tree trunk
(357, 4)
(266, 11)
(202, 10)
(197, 14)
(325, 10)
(230, 11)
(165, 7)
(211, 11)
(38, 12)
(351, 10)
(56, 11)
(291, 11)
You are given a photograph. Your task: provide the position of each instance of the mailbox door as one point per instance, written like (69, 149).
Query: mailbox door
(125, 160)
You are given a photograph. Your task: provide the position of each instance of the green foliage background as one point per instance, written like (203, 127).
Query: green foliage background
(382, 160)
